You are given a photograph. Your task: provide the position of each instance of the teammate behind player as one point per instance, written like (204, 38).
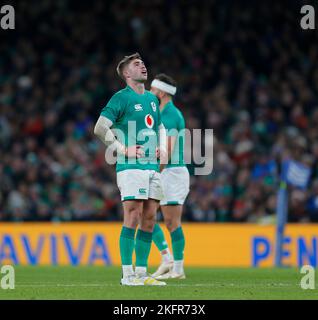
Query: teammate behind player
(175, 182)
(138, 176)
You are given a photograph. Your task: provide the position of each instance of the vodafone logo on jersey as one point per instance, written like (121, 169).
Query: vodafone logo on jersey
(149, 121)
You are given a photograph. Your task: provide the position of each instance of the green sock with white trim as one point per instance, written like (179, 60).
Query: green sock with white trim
(126, 246)
(178, 244)
(161, 243)
(142, 250)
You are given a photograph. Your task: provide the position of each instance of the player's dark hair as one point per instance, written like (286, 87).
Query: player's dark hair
(124, 62)
(165, 78)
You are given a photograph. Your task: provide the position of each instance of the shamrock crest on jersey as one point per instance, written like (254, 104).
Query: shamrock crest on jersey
(153, 106)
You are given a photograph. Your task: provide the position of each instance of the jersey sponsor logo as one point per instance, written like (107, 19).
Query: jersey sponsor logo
(153, 106)
(138, 107)
(149, 121)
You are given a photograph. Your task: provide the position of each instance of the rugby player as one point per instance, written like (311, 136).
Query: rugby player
(134, 114)
(175, 182)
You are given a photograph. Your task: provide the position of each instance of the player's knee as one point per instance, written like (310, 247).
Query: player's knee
(169, 224)
(172, 224)
(149, 215)
(132, 216)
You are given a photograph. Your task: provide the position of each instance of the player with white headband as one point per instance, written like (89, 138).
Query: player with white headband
(175, 181)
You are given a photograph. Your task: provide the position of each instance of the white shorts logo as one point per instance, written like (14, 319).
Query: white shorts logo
(149, 121)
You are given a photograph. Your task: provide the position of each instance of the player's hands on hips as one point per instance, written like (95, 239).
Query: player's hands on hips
(134, 152)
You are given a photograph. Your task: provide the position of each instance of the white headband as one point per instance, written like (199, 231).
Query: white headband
(168, 88)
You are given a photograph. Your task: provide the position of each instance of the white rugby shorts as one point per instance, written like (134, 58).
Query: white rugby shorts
(175, 185)
(136, 184)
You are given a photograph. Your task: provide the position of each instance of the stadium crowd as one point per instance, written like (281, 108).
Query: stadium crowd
(246, 70)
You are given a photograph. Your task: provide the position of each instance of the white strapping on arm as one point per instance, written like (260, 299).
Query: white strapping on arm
(103, 131)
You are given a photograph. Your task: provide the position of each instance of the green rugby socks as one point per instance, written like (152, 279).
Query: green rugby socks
(161, 243)
(142, 249)
(178, 244)
(126, 245)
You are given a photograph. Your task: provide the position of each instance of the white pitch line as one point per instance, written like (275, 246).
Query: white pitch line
(213, 285)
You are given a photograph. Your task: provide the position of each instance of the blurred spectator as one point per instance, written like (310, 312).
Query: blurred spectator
(244, 69)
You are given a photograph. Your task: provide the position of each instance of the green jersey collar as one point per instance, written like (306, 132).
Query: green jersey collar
(132, 90)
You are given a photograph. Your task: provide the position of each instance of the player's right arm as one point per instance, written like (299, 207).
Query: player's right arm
(109, 115)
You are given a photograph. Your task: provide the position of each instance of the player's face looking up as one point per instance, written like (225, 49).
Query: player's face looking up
(136, 71)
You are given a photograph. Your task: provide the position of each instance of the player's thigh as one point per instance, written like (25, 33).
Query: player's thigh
(148, 217)
(150, 208)
(133, 184)
(132, 212)
(133, 206)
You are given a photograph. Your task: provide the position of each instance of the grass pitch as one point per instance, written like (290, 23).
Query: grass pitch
(201, 283)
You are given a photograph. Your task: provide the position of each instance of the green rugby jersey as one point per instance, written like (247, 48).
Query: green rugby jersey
(172, 118)
(142, 112)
